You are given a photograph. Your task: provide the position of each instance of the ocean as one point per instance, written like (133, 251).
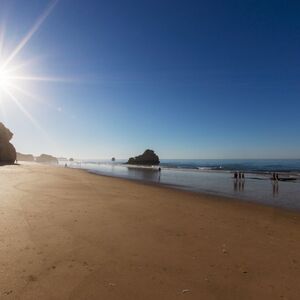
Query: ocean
(214, 177)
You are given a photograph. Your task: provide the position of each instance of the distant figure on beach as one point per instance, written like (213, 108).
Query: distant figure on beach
(159, 171)
(275, 176)
(240, 175)
(239, 181)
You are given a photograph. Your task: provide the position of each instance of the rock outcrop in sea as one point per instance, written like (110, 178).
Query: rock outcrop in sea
(47, 159)
(24, 157)
(8, 153)
(148, 158)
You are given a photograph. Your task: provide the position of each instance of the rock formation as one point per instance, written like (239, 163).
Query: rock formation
(24, 157)
(7, 150)
(46, 159)
(148, 158)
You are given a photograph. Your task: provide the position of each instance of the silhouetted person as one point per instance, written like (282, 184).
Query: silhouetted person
(235, 176)
(159, 171)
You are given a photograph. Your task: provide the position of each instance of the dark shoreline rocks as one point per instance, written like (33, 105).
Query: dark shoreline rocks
(8, 153)
(148, 158)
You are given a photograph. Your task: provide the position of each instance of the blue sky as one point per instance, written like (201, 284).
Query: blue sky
(189, 79)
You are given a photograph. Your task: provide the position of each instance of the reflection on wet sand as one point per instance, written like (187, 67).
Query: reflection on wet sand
(275, 186)
(144, 174)
(253, 187)
(239, 185)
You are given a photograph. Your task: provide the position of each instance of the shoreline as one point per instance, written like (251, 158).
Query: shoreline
(213, 191)
(206, 194)
(192, 192)
(182, 165)
(92, 237)
(263, 173)
(179, 188)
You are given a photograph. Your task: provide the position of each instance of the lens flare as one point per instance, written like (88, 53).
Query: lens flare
(5, 79)
(15, 76)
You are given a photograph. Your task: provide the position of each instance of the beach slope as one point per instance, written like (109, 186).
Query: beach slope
(67, 234)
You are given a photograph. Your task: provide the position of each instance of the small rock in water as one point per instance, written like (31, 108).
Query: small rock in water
(185, 291)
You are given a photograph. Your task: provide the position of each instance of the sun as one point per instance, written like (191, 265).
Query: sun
(13, 85)
(5, 80)
(12, 77)
(16, 73)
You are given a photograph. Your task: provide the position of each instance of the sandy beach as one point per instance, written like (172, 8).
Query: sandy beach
(68, 234)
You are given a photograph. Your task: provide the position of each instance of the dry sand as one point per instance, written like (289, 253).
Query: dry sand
(67, 234)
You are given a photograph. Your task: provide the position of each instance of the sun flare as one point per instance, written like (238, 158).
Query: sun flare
(15, 76)
(3, 80)
(6, 79)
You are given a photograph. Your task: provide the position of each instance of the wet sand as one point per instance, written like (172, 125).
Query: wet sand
(67, 234)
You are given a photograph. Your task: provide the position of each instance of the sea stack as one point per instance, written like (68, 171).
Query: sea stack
(148, 158)
(8, 153)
